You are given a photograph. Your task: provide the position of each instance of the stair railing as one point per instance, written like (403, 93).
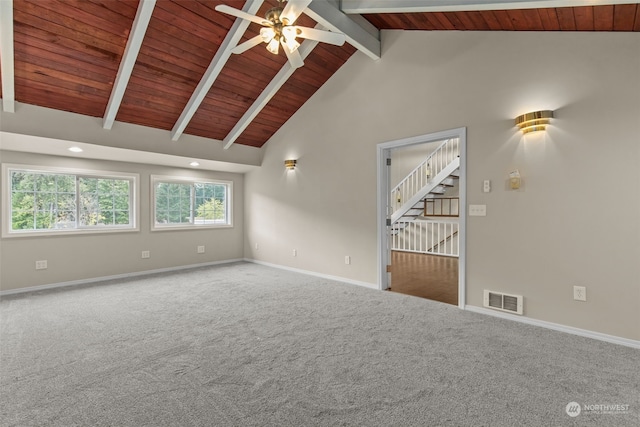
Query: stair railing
(428, 237)
(425, 172)
(442, 206)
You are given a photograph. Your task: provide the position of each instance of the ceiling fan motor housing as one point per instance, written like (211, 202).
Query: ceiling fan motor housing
(273, 16)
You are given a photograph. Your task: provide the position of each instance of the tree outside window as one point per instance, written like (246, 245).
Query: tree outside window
(50, 201)
(191, 203)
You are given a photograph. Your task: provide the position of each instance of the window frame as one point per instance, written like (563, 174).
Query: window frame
(154, 179)
(7, 210)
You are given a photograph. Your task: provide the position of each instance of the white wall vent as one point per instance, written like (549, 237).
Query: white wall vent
(503, 302)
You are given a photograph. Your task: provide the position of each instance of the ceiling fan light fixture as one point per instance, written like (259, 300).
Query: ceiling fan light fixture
(292, 44)
(290, 41)
(273, 46)
(267, 34)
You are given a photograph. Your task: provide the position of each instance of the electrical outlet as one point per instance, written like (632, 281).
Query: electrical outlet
(200, 249)
(41, 265)
(579, 293)
(295, 252)
(477, 210)
(486, 186)
(347, 260)
(146, 254)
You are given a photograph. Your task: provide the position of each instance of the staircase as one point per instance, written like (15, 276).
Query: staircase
(429, 179)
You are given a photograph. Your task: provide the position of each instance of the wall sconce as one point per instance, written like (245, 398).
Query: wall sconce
(290, 164)
(533, 122)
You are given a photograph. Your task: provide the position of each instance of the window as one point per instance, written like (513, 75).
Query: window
(41, 200)
(185, 202)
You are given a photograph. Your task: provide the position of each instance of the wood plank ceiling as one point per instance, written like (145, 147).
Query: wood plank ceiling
(619, 17)
(67, 54)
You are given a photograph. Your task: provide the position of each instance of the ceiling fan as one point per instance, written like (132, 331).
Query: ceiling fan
(279, 30)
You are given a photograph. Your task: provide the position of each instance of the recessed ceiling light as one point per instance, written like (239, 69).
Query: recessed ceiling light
(194, 164)
(76, 149)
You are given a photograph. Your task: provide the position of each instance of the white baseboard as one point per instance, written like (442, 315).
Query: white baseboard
(315, 274)
(114, 277)
(535, 322)
(557, 327)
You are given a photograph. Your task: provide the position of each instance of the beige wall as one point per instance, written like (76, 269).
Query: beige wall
(77, 257)
(44, 122)
(538, 242)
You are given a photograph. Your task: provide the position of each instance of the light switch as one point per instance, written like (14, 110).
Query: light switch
(477, 210)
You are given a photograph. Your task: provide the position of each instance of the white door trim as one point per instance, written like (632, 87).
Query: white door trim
(384, 153)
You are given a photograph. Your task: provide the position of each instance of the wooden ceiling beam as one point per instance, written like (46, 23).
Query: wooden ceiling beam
(138, 30)
(360, 33)
(7, 56)
(413, 6)
(215, 67)
(272, 88)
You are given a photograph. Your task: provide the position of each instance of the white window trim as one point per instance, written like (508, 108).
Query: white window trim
(189, 180)
(7, 231)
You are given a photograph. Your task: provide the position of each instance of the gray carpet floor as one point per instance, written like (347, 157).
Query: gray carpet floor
(248, 345)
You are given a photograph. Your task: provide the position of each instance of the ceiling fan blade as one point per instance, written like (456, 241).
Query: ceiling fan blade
(241, 14)
(293, 9)
(243, 47)
(294, 57)
(321, 36)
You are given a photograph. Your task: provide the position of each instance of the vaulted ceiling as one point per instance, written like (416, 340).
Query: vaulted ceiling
(167, 64)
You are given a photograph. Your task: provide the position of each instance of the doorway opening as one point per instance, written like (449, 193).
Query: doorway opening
(421, 215)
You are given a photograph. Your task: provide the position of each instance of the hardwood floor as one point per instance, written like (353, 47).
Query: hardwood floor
(427, 276)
